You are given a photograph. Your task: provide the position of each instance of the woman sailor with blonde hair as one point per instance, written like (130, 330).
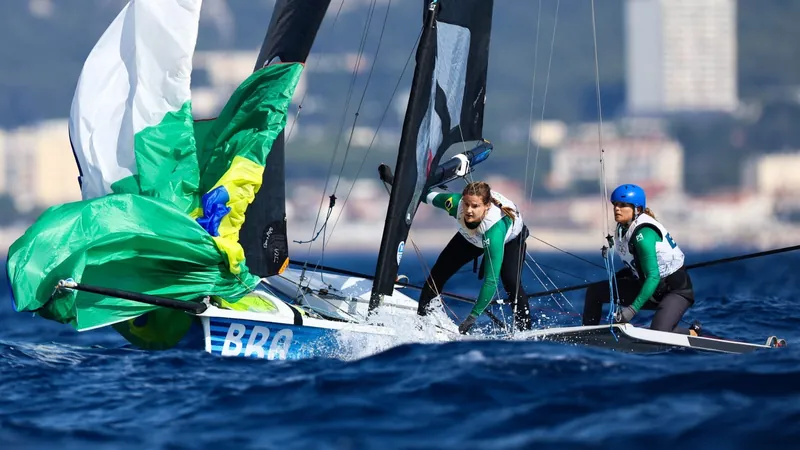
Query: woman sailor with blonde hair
(489, 225)
(654, 276)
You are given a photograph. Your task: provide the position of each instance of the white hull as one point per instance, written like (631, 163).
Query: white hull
(628, 338)
(338, 297)
(329, 319)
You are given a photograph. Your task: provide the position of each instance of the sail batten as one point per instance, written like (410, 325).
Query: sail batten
(445, 107)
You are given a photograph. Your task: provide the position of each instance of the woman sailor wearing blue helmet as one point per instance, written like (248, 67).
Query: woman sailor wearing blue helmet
(654, 276)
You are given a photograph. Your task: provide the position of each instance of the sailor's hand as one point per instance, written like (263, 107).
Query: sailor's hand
(624, 315)
(466, 324)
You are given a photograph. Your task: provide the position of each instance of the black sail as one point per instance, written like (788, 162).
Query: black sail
(445, 107)
(263, 236)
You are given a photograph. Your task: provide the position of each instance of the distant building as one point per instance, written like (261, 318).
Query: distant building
(216, 74)
(772, 174)
(39, 166)
(3, 169)
(646, 157)
(681, 55)
(548, 133)
(774, 179)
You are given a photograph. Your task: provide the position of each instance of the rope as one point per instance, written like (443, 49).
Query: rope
(522, 255)
(316, 64)
(341, 127)
(544, 98)
(366, 85)
(610, 273)
(603, 186)
(568, 253)
(552, 283)
(375, 135)
(533, 96)
(608, 255)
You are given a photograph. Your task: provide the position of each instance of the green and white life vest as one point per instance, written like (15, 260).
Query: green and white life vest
(493, 216)
(670, 257)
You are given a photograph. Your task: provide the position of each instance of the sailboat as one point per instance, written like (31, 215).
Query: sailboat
(264, 308)
(445, 108)
(173, 247)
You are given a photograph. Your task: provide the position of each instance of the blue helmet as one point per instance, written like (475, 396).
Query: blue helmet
(629, 193)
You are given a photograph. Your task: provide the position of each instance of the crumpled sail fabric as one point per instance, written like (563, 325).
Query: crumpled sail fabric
(162, 206)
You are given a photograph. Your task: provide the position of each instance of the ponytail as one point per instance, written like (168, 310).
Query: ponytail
(507, 210)
(649, 212)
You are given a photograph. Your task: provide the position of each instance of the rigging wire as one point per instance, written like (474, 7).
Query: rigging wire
(545, 284)
(366, 84)
(297, 118)
(530, 120)
(365, 33)
(533, 96)
(603, 184)
(354, 76)
(555, 269)
(544, 100)
(529, 196)
(568, 253)
(604, 200)
(377, 130)
(316, 64)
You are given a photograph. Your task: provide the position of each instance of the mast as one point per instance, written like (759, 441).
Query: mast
(289, 38)
(445, 107)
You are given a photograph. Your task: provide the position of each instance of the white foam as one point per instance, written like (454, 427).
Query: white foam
(436, 327)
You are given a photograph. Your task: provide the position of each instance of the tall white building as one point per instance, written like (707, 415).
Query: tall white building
(680, 55)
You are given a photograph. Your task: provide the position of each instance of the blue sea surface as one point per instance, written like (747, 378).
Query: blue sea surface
(67, 390)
